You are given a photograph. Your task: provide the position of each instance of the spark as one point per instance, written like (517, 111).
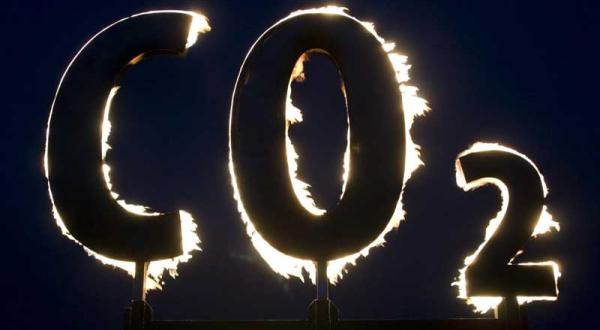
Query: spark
(544, 224)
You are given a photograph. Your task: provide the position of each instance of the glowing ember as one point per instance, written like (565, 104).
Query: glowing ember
(190, 240)
(545, 224)
(413, 106)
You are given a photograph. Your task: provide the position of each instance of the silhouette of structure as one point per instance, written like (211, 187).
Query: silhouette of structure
(374, 186)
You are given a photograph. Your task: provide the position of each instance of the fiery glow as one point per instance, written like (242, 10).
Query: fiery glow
(413, 106)
(199, 25)
(545, 224)
(280, 263)
(293, 115)
(190, 240)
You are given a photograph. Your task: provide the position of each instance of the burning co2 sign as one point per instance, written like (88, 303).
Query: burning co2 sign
(287, 228)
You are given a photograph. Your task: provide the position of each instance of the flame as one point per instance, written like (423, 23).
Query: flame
(280, 263)
(199, 25)
(293, 115)
(189, 237)
(545, 224)
(413, 106)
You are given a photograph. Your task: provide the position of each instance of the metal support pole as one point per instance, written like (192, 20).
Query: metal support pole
(322, 313)
(139, 314)
(322, 280)
(139, 282)
(513, 315)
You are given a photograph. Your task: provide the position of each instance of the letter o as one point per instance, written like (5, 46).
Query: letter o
(377, 138)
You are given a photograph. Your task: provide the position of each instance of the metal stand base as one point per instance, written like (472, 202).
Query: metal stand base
(323, 315)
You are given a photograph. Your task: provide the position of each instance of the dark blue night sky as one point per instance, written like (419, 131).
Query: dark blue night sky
(522, 74)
